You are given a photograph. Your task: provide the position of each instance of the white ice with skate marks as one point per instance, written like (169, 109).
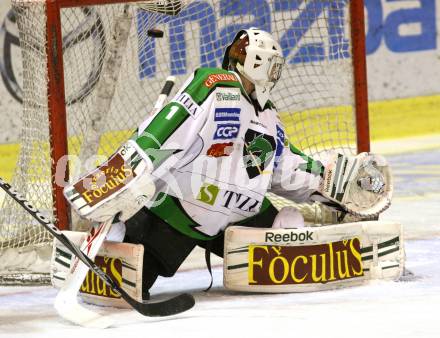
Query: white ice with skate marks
(380, 309)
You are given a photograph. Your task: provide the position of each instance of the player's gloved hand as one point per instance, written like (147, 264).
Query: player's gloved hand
(373, 180)
(122, 184)
(362, 185)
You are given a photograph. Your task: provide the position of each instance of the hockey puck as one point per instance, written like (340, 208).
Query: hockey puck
(155, 33)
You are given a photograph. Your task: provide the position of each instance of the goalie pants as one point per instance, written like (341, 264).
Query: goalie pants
(165, 248)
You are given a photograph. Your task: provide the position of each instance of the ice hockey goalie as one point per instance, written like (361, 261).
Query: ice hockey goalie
(205, 163)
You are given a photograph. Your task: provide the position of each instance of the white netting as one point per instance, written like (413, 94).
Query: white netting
(114, 72)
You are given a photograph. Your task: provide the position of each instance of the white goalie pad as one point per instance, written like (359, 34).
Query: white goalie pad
(122, 184)
(122, 261)
(312, 258)
(362, 185)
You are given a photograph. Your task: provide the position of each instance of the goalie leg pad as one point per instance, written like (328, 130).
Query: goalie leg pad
(122, 261)
(312, 258)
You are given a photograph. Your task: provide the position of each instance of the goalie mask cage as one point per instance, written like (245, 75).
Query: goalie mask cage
(92, 71)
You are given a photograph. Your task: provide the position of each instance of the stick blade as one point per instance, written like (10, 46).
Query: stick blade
(69, 309)
(170, 307)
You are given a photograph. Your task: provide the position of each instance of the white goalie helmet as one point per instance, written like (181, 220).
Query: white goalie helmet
(257, 56)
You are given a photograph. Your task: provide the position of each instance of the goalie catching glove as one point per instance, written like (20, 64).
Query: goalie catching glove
(362, 185)
(122, 184)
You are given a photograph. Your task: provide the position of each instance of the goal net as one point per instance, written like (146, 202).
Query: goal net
(85, 100)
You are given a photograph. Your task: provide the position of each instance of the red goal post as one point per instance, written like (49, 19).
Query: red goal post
(360, 74)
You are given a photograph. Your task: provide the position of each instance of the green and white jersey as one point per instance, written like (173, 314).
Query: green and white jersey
(216, 156)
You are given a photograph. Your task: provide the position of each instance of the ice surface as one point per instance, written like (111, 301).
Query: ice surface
(416, 202)
(381, 309)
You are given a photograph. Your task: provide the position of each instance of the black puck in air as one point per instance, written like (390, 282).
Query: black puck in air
(155, 33)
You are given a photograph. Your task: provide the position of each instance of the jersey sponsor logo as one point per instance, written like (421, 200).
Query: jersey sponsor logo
(237, 201)
(227, 114)
(191, 107)
(258, 152)
(208, 193)
(305, 264)
(214, 78)
(227, 96)
(232, 200)
(226, 131)
(220, 149)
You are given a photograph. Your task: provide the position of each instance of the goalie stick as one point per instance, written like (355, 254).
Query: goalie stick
(66, 301)
(168, 307)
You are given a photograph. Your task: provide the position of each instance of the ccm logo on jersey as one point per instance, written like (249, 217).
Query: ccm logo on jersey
(227, 114)
(192, 108)
(226, 131)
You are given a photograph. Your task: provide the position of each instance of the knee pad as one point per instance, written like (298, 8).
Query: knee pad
(288, 217)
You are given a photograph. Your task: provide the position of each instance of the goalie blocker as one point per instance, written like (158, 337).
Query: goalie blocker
(122, 185)
(312, 258)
